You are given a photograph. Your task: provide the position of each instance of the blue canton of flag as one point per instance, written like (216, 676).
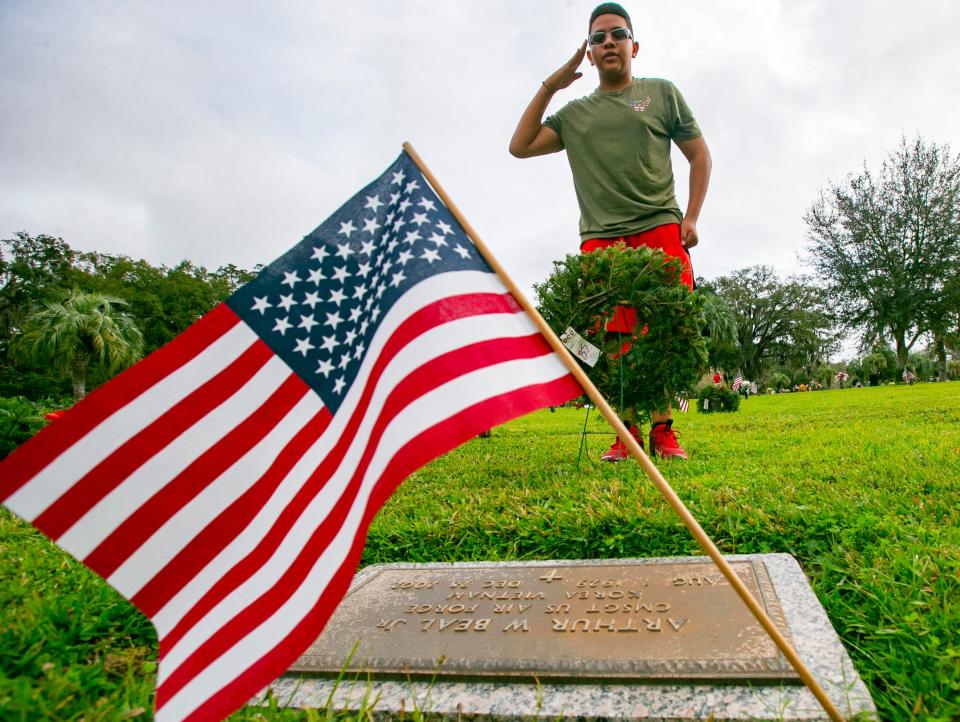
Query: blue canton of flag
(318, 305)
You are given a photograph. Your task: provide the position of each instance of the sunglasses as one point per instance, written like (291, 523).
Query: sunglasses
(617, 34)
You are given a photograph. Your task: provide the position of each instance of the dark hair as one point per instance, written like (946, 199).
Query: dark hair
(609, 9)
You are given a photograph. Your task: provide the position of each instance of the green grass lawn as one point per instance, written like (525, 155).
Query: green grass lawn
(860, 485)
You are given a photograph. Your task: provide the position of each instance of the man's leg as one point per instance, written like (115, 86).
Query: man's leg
(663, 439)
(618, 451)
(621, 322)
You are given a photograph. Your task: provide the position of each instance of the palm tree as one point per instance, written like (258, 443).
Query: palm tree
(84, 329)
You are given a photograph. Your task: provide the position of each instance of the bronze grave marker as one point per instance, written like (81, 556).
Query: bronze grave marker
(565, 622)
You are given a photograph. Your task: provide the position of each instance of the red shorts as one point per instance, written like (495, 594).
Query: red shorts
(667, 239)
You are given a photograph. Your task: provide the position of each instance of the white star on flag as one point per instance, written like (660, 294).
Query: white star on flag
(333, 320)
(329, 343)
(307, 322)
(304, 346)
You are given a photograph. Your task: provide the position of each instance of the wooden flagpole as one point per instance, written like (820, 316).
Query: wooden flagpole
(655, 476)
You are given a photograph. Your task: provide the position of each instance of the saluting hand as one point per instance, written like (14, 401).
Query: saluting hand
(567, 73)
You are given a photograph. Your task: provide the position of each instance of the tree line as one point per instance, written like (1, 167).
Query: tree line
(883, 247)
(60, 306)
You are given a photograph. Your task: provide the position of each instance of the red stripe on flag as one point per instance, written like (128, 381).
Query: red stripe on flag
(28, 460)
(138, 449)
(216, 535)
(154, 513)
(433, 442)
(444, 310)
(427, 377)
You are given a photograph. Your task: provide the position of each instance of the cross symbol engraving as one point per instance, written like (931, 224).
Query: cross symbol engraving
(551, 577)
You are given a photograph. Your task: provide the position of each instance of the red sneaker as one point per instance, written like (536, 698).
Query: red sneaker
(619, 451)
(663, 441)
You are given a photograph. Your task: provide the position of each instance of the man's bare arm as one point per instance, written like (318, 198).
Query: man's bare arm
(531, 137)
(698, 155)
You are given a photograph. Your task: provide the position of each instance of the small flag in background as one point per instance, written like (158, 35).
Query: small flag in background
(737, 382)
(225, 484)
(682, 403)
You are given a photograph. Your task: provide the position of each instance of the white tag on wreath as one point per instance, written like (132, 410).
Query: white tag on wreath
(580, 347)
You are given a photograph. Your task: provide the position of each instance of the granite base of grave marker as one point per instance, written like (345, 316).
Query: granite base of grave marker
(639, 639)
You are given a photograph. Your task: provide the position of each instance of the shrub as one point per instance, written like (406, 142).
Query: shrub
(19, 420)
(717, 398)
(875, 365)
(953, 369)
(779, 381)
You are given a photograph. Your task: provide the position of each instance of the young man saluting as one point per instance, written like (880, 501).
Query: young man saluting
(618, 144)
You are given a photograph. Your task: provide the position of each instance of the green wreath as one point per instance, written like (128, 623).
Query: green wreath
(665, 354)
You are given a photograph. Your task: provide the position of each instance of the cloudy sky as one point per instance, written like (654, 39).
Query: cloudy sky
(222, 132)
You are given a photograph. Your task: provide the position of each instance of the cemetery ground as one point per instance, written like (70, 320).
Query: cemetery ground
(861, 485)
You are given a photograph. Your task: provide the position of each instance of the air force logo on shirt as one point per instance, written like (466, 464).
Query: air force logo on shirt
(640, 105)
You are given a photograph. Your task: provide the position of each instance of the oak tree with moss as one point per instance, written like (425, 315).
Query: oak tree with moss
(887, 245)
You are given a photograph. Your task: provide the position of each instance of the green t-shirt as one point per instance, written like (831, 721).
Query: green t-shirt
(618, 145)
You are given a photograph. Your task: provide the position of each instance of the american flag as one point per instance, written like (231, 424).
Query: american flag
(225, 484)
(737, 382)
(682, 403)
